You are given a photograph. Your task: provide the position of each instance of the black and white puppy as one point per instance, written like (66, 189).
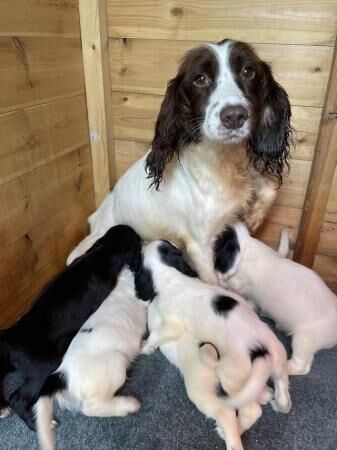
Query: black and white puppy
(95, 364)
(36, 344)
(183, 303)
(294, 296)
(223, 133)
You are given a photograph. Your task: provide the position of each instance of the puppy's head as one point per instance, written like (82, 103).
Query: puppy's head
(157, 256)
(223, 92)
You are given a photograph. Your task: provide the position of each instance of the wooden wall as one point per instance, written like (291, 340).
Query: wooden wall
(146, 41)
(46, 185)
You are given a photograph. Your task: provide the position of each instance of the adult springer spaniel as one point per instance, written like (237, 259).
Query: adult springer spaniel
(222, 133)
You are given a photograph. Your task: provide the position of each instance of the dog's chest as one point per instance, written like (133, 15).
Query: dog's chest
(220, 190)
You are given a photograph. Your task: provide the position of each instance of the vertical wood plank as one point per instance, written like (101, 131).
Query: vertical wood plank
(93, 19)
(321, 177)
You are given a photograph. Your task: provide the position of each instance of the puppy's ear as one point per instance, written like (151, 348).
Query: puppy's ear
(269, 147)
(226, 250)
(173, 257)
(144, 283)
(169, 131)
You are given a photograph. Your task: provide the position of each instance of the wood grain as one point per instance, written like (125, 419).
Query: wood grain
(127, 152)
(35, 70)
(134, 116)
(45, 18)
(11, 311)
(332, 200)
(33, 136)
(321, 176)
(302, 70)
(326, 267)
(328, 236)
(292, 22)
(97, 81)
(42, 216)
(31, 199)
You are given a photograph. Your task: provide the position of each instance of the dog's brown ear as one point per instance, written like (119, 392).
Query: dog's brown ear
(269, 147)
(169, 132)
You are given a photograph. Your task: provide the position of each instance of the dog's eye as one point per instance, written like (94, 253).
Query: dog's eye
(248, 72)
(201, 79)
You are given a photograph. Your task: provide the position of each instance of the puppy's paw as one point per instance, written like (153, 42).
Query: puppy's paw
(5, 412)
(283, 407)
(147, 348)
(296, 369)
(220, 432)
(266, 396)
(130, 405)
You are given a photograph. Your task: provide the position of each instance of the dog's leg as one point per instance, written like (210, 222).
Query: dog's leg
(202, 260)
(5, 368)
(265, 194)
(5, 410)
(282, 400)
(303, 354)
(169, 331)
(248, 415)
(117, 406)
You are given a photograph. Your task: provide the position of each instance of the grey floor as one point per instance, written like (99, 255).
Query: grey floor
(169, 421)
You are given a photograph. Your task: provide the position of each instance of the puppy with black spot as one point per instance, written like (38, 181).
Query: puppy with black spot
(183, 303)
(36, 344)
(95, 364)
(294, 296)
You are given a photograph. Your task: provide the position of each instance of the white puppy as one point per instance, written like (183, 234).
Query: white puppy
(212, 314)
(94, 366)
(208, 382)
(294, 296)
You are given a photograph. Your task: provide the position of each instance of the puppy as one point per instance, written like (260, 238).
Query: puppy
(199, 365)
(222, 139)
(94, 366)
(211, 314)
(36, 344)
(294, 296)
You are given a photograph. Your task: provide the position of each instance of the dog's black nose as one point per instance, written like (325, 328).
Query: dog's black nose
(233, 116)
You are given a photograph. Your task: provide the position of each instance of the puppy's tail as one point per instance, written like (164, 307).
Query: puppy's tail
(261, 371)
(44, 410)
(283, 247)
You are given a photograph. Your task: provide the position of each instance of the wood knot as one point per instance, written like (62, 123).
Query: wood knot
(93, 46)
(123, 70)
(177, 11)
(125, 41)
(317, 69)
(125, 99)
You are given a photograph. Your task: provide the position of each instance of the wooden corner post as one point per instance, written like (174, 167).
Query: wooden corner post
(95, 48)
(321, 176)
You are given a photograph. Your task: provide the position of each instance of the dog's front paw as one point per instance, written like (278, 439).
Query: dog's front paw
(5, 412)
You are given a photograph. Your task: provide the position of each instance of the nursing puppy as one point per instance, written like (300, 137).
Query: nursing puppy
(205, 383)
(222, 139)
(294, 296)
(36, 344)
(212, 314)
(94, 366)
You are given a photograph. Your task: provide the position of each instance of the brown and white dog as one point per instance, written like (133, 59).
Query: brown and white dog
(222, 131)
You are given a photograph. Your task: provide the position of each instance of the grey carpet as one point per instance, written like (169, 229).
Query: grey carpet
(169, 421)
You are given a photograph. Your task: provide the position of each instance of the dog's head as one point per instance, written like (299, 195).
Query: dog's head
(225, 93)
(157, 256)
